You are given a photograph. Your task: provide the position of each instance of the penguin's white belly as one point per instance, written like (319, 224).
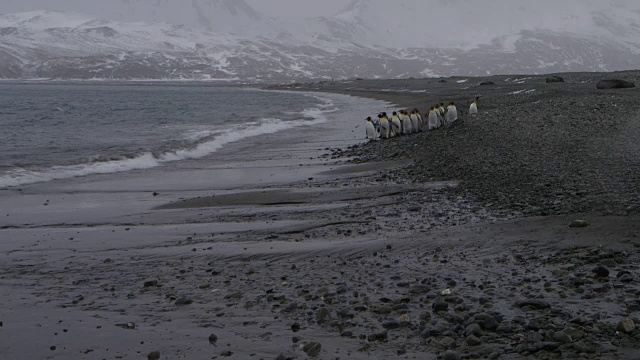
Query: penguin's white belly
(371, 131)
(415, 123)
(386, 129)
(406, 125)
(396, 126)
(452, 115)
(473, 109)
(433, 121)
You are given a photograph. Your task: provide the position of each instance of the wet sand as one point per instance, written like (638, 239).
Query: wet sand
(303, 252)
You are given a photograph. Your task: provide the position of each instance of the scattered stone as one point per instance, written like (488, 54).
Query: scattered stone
(473, 329)
(533, 303)
(626, 326)
(472, 340)
(614, 84)
(213, 338)
(312, 349)
(295, 327)
(128, 326)
(579, 224)
(322, 315)
(450, 355)
(151, 283)
(440, 306)
(52, 348)
(154, 355)
(600, 271)
(226, 353)
(390, 325)
(483, 83)
(377, 336)
(554, 79)
(562, 337)
(183, 301)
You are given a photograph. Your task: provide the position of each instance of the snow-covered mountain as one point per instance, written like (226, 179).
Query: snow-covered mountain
(228, 39)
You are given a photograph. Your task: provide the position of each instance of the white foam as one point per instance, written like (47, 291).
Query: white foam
(223, 137)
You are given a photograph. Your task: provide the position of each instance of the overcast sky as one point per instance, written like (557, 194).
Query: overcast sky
(298, 7)
(275, 8)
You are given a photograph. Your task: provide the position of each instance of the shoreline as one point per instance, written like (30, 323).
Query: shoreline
(321, 254)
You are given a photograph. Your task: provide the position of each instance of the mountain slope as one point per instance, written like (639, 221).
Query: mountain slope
(64, 45)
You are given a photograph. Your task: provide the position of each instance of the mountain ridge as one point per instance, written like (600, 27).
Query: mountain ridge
(65, 45)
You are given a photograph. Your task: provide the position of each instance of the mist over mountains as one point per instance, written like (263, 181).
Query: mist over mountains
(231, 40)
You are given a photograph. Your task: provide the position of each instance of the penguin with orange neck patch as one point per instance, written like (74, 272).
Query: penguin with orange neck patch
(473, 109)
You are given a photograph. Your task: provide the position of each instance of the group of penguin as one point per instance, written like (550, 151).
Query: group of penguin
(404, 123)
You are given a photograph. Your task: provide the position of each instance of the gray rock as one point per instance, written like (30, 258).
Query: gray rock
(600, 271)
(150, 283)
(579, 224)
(450, 355)
(377, 336)
(582, 347)
(626, 326)
(390, 325)
(154, 355)
(533, 303)
(322, 315)
(473, 329)
(440, 306)
(213, 338)
(472, 340)
(483, 83)
(562, 337)
(183, 301)
(554, 79)
(226, 353)
(615, 84)
(312, 349)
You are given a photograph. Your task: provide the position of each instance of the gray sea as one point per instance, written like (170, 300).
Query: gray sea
(57, 131)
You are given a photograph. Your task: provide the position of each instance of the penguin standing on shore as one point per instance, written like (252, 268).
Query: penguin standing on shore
(421, 120)
(385, 126)
(415, 121)
(433, 119)
(452, 113)
(396, 125)
(440, 114)
(372, 133)
(407, 127)
(473, 109)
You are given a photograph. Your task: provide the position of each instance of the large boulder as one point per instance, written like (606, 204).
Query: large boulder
(615, 84)
(554, 79)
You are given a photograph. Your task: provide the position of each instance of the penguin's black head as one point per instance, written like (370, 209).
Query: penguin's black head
(394, 113)
(369, 118)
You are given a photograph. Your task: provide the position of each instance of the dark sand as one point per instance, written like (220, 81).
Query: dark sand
(402, 256)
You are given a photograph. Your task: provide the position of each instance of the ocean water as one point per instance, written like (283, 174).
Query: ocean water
(56, 131)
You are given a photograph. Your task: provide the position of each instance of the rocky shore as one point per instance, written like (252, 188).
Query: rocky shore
(512, 235)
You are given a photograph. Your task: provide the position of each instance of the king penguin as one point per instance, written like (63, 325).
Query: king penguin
(407, 127)
(396, 125)
(372, 133)
(433, 119)
(440, 115)
(452, 113)
(415, 121)
(473, 109)
(385, 126)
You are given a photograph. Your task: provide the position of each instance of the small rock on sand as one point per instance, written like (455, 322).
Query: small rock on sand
(154, 355)
(626, 325)
(451, 355)
(554, 79)
(600, 271)
(184, 301)
(579, 224)
(312, 349)
(615, 84)
(213, 338)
